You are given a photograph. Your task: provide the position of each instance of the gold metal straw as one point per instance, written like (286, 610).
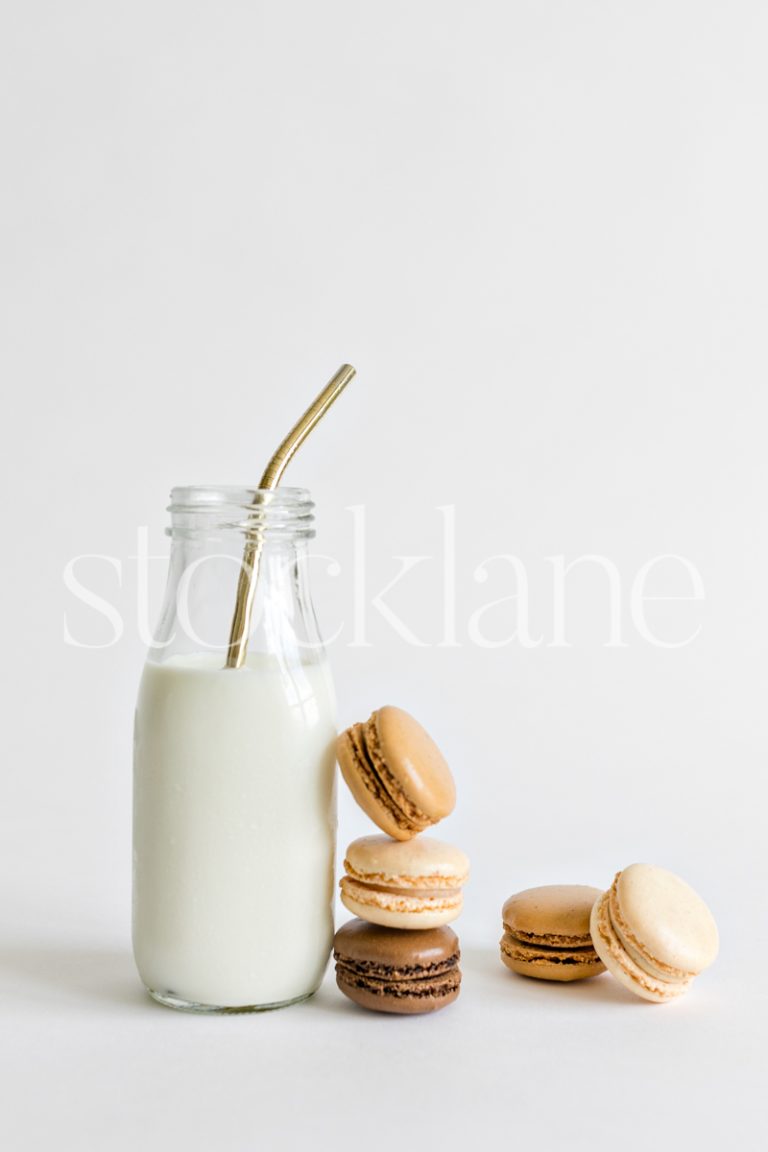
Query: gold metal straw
(249, 569)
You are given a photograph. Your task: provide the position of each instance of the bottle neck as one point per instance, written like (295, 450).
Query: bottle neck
(214, 531)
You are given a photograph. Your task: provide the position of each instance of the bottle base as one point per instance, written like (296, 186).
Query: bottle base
(170, 1000)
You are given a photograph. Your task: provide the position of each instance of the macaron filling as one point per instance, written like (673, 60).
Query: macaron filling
(435, 980)
(525, 952)
(376, 970)
(397, 900)
(548, 939)
(416, 893)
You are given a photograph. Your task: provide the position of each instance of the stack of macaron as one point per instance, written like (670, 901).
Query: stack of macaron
(404, 888)
(650, 930)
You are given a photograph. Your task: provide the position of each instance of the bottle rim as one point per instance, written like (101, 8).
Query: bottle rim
(274, 512)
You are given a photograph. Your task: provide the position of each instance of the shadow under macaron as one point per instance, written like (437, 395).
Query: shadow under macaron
(485, 976)
(484, 969)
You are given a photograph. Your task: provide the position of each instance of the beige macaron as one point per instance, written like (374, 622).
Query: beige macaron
(653, 932)
(546, 933)
(411, 884)
(396, 773)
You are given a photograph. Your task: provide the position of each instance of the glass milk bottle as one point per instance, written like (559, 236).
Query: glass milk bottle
(234, 786)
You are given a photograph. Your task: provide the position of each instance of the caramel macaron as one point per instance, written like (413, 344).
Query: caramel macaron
(653, 932)
(546, 933)
(396, 773)
(392, 971)
(412, 884)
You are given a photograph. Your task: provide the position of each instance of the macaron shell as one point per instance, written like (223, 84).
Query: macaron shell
(410, 754)
(621, 965)
(373, 949)
(420, 863)
(368, 791)
(664, 920)
(554, 914)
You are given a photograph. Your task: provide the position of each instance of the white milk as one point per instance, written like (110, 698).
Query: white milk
(234, 830)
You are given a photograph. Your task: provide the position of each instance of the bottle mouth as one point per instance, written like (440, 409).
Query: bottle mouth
(285, 513)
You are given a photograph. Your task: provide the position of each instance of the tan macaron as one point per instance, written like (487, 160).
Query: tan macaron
(396, 773)
(546, 933)
(653, 932)
(413, 884)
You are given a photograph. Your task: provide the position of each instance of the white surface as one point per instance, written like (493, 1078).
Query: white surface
(95, 1064)
(539, 233)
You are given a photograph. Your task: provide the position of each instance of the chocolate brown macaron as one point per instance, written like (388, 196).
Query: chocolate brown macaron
(546, 933)
(387, 970)
(396, 773)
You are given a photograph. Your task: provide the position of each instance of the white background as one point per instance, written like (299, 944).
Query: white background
(538, 230)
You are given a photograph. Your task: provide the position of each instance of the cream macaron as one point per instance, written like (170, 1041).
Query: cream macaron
(653, 932)
(404, 884)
